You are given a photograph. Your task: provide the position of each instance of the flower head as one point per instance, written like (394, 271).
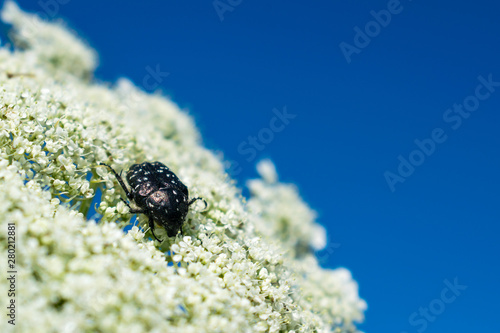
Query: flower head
(238, 268)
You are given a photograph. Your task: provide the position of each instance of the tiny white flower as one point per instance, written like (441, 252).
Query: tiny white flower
(122, 208)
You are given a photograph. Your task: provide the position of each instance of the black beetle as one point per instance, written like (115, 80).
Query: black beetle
(158, 193)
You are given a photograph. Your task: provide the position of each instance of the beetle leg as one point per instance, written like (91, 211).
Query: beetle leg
(195, 199)
(120, 180)
(132, 210)
(136, 211)
(152, 227)
(126, 203)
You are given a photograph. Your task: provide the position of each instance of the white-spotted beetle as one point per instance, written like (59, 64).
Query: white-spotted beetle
(158, 193)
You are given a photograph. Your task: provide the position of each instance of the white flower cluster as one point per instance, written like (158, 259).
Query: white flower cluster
(54, 48)
(287, 221)
(238, 268)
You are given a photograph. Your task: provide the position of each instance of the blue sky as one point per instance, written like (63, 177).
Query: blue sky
(369, 87)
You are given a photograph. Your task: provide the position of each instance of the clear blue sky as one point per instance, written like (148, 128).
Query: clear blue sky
(361, 99)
